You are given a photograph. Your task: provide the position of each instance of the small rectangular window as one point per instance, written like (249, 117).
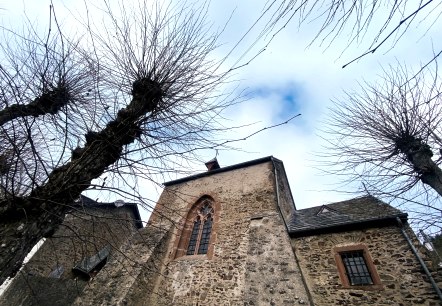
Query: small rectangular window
(356, 268)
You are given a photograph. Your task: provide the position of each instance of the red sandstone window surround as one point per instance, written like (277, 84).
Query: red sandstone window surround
(202, 228)
(198, 234)
(356, 268)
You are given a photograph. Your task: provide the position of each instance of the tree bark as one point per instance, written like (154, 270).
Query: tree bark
(420, 156)
(24, 221)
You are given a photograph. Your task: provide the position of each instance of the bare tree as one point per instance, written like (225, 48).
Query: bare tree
(128, 100)
(370, 24)
(387, 136)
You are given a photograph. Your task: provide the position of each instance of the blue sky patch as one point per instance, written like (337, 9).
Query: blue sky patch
(289, 94)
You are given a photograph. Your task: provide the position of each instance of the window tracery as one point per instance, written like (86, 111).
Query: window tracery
(197, 235)
(202, 227)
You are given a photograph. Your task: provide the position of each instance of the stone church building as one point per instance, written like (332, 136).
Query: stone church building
(230, 236)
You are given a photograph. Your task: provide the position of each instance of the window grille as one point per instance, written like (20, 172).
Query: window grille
(356, 268)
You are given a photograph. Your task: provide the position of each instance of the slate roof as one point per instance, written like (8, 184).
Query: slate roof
(359, 212)
(88, 202)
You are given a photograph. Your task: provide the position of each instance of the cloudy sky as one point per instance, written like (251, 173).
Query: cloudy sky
(292, 77)
(288, 78)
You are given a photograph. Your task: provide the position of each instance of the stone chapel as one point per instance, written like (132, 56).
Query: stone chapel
(231, 236)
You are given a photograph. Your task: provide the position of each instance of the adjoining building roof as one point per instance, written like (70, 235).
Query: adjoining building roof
(355, 213)
(88, 202)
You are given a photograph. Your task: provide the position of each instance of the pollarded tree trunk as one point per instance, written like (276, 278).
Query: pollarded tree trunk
(420, 156)
(24, 221)
(49, 102)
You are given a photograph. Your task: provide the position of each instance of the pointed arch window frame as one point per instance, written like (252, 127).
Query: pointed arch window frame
(197, 241)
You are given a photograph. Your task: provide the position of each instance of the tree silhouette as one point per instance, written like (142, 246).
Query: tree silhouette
(132, 99)
(387, 136)
(374, 25)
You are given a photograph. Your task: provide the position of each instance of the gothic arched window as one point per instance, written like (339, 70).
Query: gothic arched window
(202, 228)
(196, 237)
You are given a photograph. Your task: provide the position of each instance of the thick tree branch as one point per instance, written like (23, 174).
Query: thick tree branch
(419, 155)
(38, 214)
(48, 103)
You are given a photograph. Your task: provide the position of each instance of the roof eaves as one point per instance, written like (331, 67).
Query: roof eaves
(223, 169)
(88, 202)
(345, 225)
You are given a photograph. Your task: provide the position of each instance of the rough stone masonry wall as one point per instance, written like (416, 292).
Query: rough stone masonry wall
(252, 264)
(129, 277)
(402, 278)
(272, 274)
(286, 204)
(83, 233)
(41, 291)
(122, 280)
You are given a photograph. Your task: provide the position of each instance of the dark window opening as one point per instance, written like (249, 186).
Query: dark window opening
(202, 228)
(88, 267)
(194, 238)
(356, 268)
(205, 236)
